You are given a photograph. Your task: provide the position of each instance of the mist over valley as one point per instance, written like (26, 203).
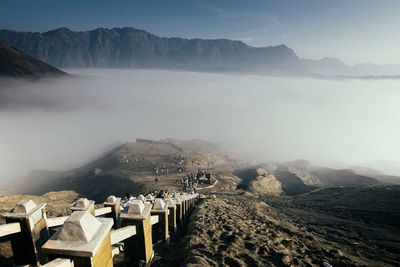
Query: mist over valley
(261, 118)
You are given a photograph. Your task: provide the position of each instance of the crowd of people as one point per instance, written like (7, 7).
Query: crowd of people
(192, 180)
(161, 169)
(163, 194)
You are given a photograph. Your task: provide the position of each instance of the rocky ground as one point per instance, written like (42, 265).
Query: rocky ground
(239, 230)
(243, 230)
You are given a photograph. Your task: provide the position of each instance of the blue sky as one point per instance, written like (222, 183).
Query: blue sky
(352, 30)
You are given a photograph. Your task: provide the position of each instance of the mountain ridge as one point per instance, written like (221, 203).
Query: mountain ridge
(132, 48)
(129, 47)
(330, 66)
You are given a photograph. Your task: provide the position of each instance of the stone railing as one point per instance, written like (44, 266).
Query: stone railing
(92, 237)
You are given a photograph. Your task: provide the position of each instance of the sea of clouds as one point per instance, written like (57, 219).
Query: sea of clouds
(61, 123)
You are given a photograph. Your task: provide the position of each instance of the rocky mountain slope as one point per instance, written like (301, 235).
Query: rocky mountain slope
(129, 168)
(14, 63)
(133, 48)
(298, 177)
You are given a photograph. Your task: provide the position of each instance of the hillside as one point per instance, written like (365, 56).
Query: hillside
(129, 168)
(14, 63)
(133, 48)
(298, 177)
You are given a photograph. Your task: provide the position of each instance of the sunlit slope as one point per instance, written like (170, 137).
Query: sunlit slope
(298, 177)
(129, 168)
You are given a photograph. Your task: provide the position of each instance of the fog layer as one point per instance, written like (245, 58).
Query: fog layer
(57, 124)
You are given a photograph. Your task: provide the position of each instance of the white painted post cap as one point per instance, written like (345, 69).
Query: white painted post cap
(136, 207)
(24, 207)
(82, 203)
(171, 202)
(111, 199)
(80, 226)
(142, 198)
(159, 204)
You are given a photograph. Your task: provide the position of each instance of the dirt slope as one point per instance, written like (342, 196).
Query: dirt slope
(242, 231)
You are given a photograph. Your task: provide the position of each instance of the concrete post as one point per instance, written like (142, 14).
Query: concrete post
(190, 202)
(161, 228)
(26, 245)
(179, 210)
(183, 207)
(138, 248)
(150, 199)
(172, 219)
(185, 199)
(84, 239)
(142, 198)
(83, 204)
(115, 204)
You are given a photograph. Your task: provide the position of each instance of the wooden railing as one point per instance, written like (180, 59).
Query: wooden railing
(91, 237)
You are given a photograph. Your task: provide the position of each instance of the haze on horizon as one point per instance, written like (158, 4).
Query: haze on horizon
(358, 31)
(59, 124)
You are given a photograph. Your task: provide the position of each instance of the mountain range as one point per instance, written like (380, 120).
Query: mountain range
(133, 48)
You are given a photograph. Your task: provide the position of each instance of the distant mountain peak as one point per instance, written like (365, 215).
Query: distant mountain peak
(331, 59)
(61, 30)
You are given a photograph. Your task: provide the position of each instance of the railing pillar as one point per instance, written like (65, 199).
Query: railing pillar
(115, 204)
(172, 219)
(183, 206)
(83, 204)
(161, 228)
(190, 202)
(185, 199)
(26, 245)
(142, 198)
(179, 210)
(138, 248)
(150, 199)
(84, 239)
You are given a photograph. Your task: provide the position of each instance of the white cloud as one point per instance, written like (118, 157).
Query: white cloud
(269, 118)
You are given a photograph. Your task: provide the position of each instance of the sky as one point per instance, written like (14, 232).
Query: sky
(355, 31)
